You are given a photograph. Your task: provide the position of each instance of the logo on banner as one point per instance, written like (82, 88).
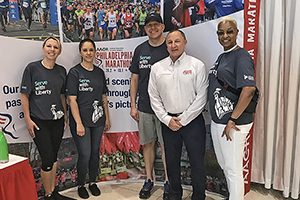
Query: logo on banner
(113, 59)
(6, 123)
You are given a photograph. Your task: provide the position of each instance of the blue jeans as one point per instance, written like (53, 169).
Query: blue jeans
(88, 147)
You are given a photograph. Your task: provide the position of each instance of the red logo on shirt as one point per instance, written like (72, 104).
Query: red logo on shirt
(186, 72)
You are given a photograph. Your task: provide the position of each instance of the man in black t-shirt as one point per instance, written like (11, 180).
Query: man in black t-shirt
(145, 55)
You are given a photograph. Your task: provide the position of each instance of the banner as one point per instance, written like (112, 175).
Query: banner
(113, 57)
(251, 30)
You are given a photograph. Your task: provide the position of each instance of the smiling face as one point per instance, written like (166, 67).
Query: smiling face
(87, 52)
(51, 49)
(176, 43)
(154, 30)
(227, 34)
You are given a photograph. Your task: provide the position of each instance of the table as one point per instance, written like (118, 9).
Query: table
(16, 180)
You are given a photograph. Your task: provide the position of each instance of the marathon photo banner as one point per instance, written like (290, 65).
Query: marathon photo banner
(114, 57)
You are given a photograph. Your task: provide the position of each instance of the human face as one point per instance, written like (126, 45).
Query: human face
(87, 52)
(175, 45)
(227, 34)
(154, 30)
(52, 49)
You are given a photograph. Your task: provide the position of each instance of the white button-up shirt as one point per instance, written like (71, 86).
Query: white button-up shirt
(178, 87)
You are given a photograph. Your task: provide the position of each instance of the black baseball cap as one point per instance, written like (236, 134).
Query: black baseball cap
(153, 17)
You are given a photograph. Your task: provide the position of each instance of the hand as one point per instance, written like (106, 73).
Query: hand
(66, 122)
(30, 127)
(134, 114)
(80, 129)
(107, 125)
(174, 124)
(230, 125)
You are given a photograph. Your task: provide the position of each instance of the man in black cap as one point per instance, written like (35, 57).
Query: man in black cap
(145, 55)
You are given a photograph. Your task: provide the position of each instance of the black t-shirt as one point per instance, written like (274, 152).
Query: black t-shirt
(88, 87)
(143, 58)
(44, 87)
(236, 69)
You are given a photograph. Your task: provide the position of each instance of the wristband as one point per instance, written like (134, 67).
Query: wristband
(232, 119)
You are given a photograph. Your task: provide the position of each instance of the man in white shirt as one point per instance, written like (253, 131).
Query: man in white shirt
(178, 94)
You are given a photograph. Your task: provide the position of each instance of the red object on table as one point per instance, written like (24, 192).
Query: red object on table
(17, 181)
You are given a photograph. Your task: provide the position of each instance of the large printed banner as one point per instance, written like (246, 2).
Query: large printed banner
(113, 57)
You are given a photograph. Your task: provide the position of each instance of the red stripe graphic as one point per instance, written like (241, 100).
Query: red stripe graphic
(2, 120)
(251, 30)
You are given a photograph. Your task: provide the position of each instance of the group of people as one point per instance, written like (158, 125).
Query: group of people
(34, 10)
(120, 19)
(44, 87)
(173, 90)
(169, 91)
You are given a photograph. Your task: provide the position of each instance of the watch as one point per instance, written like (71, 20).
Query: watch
(232, 119)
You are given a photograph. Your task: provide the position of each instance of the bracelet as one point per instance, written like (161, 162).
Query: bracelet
(232, 119)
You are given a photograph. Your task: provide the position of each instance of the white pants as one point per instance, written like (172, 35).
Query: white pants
(230, 156)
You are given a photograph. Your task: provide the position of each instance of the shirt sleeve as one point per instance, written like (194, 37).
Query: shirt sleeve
(134, 67)
(72, 83)
(198, 105)
(64, 74)
(244, 70)
(155, 99)
(26, 84)
(105, 88)
(239, 5)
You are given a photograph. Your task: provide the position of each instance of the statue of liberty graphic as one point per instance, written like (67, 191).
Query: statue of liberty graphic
(223, 104)
(98, 112)
(56, 114)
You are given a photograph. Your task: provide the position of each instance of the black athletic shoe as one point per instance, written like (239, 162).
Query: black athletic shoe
(58, 196)
(82, 192)
(49, 197)
(145, 192)
(166, 191)
(94, 189)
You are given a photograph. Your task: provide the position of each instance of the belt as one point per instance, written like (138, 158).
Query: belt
(174, 114)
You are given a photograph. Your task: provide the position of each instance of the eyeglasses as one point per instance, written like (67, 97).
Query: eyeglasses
(222, 33)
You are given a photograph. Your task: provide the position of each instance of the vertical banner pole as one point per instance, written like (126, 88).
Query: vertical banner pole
(251, 31)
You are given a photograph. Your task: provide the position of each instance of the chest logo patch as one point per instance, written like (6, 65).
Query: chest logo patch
(98, 112)
(223, 105)
(186, 72)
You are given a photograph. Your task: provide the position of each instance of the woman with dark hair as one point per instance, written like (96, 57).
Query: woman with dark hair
(44, 106)
(86, 90)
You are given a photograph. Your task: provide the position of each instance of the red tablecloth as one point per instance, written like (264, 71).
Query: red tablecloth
(17, 182)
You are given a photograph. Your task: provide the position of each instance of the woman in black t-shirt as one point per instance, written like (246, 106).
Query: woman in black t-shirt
(231, 120)
(86, 90)
(44, 106)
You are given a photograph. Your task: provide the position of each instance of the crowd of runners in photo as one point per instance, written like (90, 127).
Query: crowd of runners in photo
(117, 19)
